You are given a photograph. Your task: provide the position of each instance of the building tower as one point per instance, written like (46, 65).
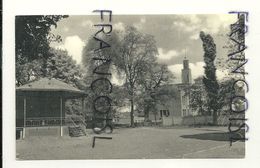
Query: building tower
(186, 72)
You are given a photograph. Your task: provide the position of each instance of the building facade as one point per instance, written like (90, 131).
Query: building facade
(172, 111)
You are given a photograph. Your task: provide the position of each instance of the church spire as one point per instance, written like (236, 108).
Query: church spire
(186, 72)
(185, 56)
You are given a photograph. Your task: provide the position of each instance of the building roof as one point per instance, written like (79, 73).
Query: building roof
(49, 84)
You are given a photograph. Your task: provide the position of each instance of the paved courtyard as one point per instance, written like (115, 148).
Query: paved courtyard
(135, 143)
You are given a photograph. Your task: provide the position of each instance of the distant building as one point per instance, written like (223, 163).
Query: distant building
(173, 111)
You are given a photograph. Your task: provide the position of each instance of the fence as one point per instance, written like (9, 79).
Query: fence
(44, 121)
(222, 120)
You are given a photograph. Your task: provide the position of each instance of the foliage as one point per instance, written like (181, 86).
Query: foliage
(198, 100)
(28, 71)
(61, 66)
(32, 44)
(151, 82)
(90, 64)
(198, 97)
(209, 79)
(235, 42)
(137, 52)
(236, 58)
(133, 56)
(229, 90)
(33, 35)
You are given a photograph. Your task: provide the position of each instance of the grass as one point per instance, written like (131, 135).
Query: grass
(134, 143)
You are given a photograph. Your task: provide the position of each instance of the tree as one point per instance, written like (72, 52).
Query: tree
(96, 61)
(137, 52)
(132, 53)
(32, 42)
(235, 46)
(198, 98)
(150, 82)
(27, 71)
(209, 78)
(61, 66)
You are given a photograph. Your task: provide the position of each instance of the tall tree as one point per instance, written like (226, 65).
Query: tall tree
(32, 41)
(209, 78)
(137, 52)
(101, 87)
(132, 53)
(90, 64)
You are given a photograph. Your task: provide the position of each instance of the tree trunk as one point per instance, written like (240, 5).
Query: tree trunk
(146, 113)
(155, 118)
(44, 68)
(215, 117)
(132, 111)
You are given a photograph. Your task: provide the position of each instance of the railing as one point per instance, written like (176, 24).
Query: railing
(69, 121)
(53, 121)
(44, 121)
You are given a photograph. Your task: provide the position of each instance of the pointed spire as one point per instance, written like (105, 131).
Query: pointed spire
(185, 56)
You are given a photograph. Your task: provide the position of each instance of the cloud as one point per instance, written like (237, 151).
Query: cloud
(176, 70)
(167, 55)
(140, 25)
(197, 70)
(143, 20)
(119, 26)
(185, 26)
(217, 21)
(116, 79)
(74, 45)
(194, 36)
(212, 24)
(87, 23)
(66, 29)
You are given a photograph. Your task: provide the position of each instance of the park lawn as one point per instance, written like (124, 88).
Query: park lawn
(134, 143)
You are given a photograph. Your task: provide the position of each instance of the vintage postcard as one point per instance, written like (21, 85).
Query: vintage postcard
(106, 84)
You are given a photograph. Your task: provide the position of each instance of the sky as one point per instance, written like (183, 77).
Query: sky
(176, 36)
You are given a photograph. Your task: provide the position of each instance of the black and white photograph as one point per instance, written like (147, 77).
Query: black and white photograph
(106, 86)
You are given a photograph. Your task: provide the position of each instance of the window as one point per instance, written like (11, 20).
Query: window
(184, 112)
(164, 112)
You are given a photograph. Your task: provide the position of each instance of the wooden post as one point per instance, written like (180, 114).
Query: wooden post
(61, 111)
(24, 116)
